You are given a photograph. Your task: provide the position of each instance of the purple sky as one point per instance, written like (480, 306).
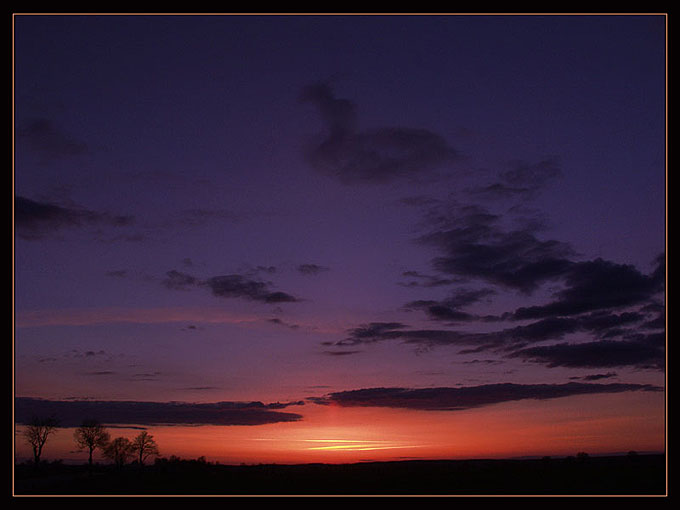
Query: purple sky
(277, 208)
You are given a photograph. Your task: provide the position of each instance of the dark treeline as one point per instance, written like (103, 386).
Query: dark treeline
(91, 435)
(632, 474)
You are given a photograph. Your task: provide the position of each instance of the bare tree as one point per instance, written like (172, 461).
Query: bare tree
(144, 445)
(36, 434)
(90, 436)
(119, 451)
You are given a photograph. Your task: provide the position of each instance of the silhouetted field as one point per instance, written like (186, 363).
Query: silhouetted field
(615, 475)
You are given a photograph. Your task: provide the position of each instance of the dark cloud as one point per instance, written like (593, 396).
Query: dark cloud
(438, 310)
(374, 332)
(599, 297)
(539, 331)
(35, 220)
(474, 245)
(500, 190)
(457, 399)
(75, 353)
(641, 353)
(596, 377)
(50, 142)
(71, 413)
(283, 405)
(635, 349)
(101, 372)
(449, 309)
(146, 376)
(90, 354)
(179, 281)
(229, 286)
(311, 269)
(371, 156)
(239, 286)
(601, 323)
(597, 285)
(341, 353)
(658, 315)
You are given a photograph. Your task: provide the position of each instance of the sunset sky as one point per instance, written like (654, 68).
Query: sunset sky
(342, 238)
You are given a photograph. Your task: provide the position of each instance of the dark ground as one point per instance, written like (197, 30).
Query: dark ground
(616, 475)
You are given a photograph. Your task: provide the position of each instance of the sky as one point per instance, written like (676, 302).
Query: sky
(340, 238)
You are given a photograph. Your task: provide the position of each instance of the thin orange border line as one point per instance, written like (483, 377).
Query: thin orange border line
(352, 14)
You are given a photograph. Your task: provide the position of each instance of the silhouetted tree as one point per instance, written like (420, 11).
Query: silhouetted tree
(582, 456)
(119, 451)
(36, 434)
(90, 436)
(144, 445)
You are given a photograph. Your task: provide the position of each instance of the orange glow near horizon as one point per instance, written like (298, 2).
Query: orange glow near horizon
(331, 434)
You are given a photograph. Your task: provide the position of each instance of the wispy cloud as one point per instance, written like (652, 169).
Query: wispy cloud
(36, 220)
(598, 285)
(279, 322)
(458, 399)
(49, 141)
(521, 181)
(450, 309)
(379, 155)
(229, 286)
(616, 309)
(474, 244)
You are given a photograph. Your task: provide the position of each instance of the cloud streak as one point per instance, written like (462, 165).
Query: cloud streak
(458, 399)
(522, 181)
(632, 349)
(70, 413)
